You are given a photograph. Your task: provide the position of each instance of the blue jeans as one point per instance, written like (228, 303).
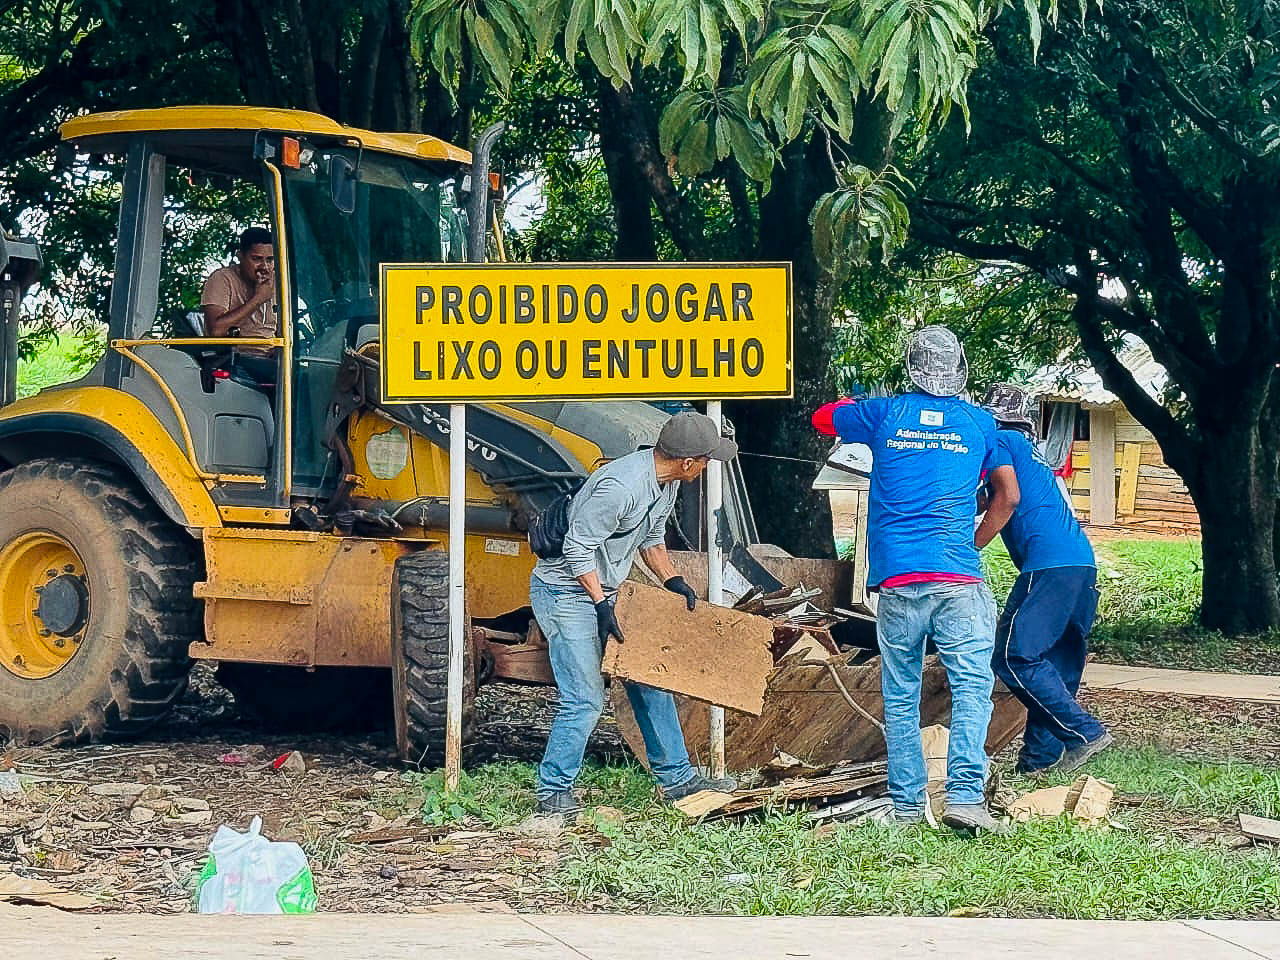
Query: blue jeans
(567, 618)
(961, 619)
(1040, 653)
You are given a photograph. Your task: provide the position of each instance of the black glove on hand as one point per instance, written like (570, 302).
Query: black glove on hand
(606, 622)
(677, 585)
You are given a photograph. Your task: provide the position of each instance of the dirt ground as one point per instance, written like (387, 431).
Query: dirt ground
(129, 824)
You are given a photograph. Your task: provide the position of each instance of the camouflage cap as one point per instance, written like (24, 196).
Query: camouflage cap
(936, 362)
(1012, 405)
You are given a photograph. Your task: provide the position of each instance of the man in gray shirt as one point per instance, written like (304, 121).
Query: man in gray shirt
(620, 511)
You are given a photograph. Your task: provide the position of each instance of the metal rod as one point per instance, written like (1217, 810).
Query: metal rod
(715, 575)
(457, 573)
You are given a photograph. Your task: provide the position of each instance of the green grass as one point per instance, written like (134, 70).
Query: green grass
(657, 861)
(778, 865)
(501, 794)
(1216, 789)
(59, 360)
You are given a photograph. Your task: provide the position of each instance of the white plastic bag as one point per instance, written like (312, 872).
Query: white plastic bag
(247, 873)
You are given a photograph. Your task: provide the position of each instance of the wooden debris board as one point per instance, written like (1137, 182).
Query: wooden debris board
(711, 654)
(1260, 828)
(806, 716)
(703, 802)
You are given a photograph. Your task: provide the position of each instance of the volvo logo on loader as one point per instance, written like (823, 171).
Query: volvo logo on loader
(585, 331)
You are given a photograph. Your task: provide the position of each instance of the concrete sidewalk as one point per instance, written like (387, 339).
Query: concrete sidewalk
(47, 934)
(1188, 683)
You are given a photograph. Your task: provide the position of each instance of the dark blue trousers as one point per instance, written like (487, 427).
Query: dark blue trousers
(1040, 653)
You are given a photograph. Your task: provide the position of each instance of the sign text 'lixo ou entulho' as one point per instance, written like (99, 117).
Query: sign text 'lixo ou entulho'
(470, 332)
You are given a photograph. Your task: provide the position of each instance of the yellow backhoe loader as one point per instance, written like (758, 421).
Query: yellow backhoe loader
(165, 508)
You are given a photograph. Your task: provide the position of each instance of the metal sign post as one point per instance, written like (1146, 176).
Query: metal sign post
(715, 574)
(457, 578)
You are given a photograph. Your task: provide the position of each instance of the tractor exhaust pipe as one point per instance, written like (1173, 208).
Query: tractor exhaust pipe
(20, 264)
(478, 203)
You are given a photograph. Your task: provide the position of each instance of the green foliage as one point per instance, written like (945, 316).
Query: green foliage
(702, 127)
(864, 212)
(753, 78)
(695, 28)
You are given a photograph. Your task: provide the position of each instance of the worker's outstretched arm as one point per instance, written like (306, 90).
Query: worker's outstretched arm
(1004, 500)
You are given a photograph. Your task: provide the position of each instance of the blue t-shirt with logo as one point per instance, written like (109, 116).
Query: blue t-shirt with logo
(929, 454)
(1043, 532)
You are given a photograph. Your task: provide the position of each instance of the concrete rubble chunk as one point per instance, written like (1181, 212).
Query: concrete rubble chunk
(117, 790)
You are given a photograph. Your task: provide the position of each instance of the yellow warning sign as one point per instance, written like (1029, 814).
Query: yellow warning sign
(464, 332)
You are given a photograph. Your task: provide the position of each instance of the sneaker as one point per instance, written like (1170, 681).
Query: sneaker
(972, 816)
(562, 803)
(698, 783)
(1076, 758)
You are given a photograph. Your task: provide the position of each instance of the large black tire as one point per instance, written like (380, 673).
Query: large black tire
(420, 659)
(131, 662)
(294, 699)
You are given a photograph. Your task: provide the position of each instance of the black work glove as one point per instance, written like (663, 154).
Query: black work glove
(677, 585)
(606, 622)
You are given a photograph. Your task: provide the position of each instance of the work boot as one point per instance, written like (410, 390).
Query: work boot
(697, 784)
(1034, 772)
(908, 817)
(972, 816)
(562, 803)
(1077, 757)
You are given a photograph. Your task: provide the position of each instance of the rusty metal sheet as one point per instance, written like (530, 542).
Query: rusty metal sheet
(712, 654)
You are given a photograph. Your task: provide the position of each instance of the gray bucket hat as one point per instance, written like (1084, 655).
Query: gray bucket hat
(691, 434)
(1011, 405)
(936, 362)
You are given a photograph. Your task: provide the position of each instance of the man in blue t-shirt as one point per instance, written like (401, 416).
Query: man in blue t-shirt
(930, 449)
(1041, 639)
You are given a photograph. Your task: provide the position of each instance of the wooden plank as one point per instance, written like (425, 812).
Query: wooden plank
(806, 715)
(1260, 828)
(1102, 449)
(1133, 433)
(1128, 478)
(712, 653)
(1081, 503)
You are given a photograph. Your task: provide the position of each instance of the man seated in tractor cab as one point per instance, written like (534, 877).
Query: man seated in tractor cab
(239, 300)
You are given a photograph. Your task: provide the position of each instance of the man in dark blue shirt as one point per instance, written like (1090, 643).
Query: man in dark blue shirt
(1041, 639)
(930, 449)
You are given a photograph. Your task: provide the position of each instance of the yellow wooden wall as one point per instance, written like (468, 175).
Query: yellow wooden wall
(1148, 493)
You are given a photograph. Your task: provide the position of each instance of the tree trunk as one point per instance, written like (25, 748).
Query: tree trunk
(787, 511)
(1234, 494)
(628, 188)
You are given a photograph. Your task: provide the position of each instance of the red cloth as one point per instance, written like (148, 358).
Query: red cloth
(823, 417)
(1068, 468)
(903, 579)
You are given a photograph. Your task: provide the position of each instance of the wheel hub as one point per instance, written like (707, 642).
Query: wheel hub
(64, 605)
(44, 604)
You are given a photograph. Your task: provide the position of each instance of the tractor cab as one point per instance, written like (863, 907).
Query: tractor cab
(338, 201)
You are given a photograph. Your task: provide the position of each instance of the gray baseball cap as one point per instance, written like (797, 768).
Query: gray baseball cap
(691, 434)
